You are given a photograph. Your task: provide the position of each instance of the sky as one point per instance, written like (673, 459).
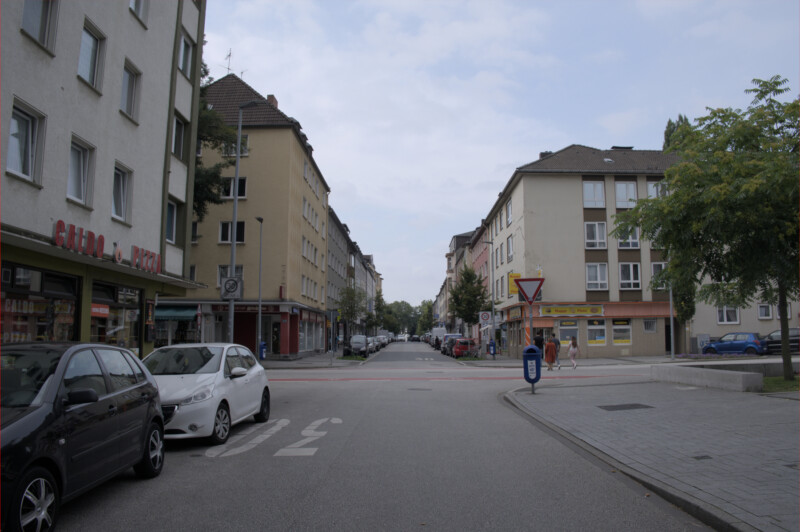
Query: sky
(419, 111)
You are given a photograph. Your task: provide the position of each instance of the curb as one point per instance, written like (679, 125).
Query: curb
(707, 513)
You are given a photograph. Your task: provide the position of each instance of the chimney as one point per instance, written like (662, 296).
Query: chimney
(272, 100)
(543, 154)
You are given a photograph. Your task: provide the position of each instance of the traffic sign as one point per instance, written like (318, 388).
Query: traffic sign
(530, 287)
(485, 317)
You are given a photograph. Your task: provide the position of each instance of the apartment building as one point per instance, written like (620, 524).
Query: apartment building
(552, 220)
(338, 246)
(99, 107)
(280, 183)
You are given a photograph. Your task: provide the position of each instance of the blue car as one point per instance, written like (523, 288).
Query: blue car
(736, 342)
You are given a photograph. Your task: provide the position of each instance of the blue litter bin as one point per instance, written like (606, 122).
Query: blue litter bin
(262, 351)
(492, 348)
(532, 364)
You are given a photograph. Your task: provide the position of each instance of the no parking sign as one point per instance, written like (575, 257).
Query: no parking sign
(485, 317)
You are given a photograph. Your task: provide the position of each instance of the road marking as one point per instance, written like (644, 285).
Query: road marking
(311, 434)
(227, 448)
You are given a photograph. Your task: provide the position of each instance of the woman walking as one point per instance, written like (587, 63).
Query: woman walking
(574, 351)
(550, 354)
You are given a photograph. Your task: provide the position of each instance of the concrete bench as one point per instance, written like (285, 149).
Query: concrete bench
(722, 378)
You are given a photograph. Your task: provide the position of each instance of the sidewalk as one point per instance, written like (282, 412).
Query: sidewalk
(729, 458)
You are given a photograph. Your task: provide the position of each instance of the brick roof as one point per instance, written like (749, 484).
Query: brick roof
(586, 160)
(228, 93)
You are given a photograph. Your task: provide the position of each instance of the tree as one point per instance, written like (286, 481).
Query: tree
(728, 219)
(426, 321)
(380, 309)
(213, 134)
(352, 305)
(669, 131)
(468, 297)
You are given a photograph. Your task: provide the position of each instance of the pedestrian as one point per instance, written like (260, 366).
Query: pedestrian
(574, 351)
(550, 354)
(538, 340)
(558, 349)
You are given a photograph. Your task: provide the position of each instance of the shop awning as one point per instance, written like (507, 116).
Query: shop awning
(166, 312)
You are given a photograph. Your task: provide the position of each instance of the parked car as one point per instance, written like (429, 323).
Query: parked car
(74, 416)
(414, 338)
(772, 342)
(372, 345)
(447, 345)
(357, 346)
(736, 342)
(462, 346)
(208, 388)
(383, 340)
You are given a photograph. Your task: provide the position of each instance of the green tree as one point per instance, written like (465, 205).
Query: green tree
(671, 128)
(214, 134)
(380, 309)
(728, 221)
(468, 297)
(426, 321)
(352, 305)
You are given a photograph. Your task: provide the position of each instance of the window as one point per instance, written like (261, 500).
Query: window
(78, 181)
(178, 137)
(566, 330)
(185, 56)
(595, 235)
(119, 204)
(510, 248)
(593, 196)
(508, 213)
(597, 276)
(38, 21)
(788, 309)
(655, 189)
(727, 315)
(502, 285)
(225, 232)
(230, 149)
(496, 258)
(496, 225)
(172, 220)
(83, 371)
(621, 332)
(650, 325)
(631, 241)
(90, 59)
(194, 233)
(129, 100)
(241, 190)
(139, 8)
(658, 267)
(502, 258)
(764, 311)
(192, 272)
(23, 144)
(626, 194)
(223, 269)
(118, 368)
(596, 331)
(500, 218)
(629, 277)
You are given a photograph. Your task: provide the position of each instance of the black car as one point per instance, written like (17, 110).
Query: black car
(73, 416)
(772, 342)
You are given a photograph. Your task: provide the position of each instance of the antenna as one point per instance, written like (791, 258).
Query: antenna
(228, 57)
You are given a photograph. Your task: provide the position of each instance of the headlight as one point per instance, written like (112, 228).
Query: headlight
(200, 395)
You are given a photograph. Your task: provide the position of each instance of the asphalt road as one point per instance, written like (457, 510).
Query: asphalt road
(410, 440)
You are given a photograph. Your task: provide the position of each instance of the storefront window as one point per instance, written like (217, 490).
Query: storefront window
(621, 332)
(566, 330)
(115, 315)
(596, 330)
(37, 305)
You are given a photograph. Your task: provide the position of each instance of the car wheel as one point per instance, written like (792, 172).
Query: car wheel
(36, 502)
(152, 461)
(710, 351)
(222, 425)
(262, 416)
(750, 351)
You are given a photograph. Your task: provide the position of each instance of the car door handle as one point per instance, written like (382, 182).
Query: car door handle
(112, 409)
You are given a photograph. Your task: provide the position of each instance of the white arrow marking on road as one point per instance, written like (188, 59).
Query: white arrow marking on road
(311, 434)
(227, 448)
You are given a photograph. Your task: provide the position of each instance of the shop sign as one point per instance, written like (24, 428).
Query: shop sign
(515, 313)
(572, 310)
(86, 242)
(100, 310)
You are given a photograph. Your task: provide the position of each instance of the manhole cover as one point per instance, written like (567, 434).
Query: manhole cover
(629, 406)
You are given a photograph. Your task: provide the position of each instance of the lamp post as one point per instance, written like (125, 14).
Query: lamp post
(260, 231)
(235, 191)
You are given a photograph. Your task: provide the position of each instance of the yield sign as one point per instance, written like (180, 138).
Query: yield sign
(529, 288)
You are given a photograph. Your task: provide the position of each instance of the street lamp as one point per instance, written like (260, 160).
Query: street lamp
(235, 191)
(260, 230)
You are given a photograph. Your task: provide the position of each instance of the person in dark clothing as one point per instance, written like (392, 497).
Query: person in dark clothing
(538, 340)
(556, 341)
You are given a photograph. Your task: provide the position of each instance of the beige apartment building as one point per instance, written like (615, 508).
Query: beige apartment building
(99, 107)
(552, 220)
(279, 182)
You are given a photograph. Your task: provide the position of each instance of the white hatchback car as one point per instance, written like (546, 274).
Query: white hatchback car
(205, 389)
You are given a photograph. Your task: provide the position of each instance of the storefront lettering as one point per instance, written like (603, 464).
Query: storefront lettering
(143, 259)
(78, 239)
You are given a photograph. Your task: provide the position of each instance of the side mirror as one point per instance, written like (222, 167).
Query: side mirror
(81, 396)
(238, 372)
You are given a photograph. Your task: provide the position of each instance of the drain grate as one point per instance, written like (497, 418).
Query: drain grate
(627, 406)
(702, 457)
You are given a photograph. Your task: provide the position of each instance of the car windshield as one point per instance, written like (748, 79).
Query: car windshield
(26, 374)
(182, 360)
(357, 339)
